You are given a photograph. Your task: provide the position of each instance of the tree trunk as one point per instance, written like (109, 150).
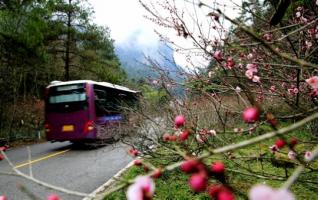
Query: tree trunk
(68, 43)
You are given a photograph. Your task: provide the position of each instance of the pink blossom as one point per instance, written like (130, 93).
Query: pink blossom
(308, 44)
(307, 155)
(229, 63)
(291, 155)
(273, 88)
(314, 92)
(313, 82)
(212, 132)
(273, 148)
(200, 138)
(317, 2)
(304, 20)
(238, 89)
(143, 187)
(252, 67)
(250, 56)
(264, 192)
(268, 36)
(298, 14)
(293, 91)
(256, 79)
(218, 55)
(249, 74)
(238, 130)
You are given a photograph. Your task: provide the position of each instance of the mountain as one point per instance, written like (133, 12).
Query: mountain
(134, 57)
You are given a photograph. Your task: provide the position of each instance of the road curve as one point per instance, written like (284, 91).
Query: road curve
(63, 165)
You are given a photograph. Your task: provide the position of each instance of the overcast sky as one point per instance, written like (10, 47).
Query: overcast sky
(126, 18)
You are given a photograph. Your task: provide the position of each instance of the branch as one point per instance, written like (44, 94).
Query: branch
(250, 32)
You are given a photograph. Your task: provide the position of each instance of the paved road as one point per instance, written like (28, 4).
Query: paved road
(62, 164)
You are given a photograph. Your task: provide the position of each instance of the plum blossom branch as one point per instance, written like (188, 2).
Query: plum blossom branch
(253, 140)
(300, 169)
(250, 32)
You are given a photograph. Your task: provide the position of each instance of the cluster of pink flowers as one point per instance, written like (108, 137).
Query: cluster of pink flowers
(251, 71)
(204, 134)
(198, 180)
(218, 56)
(293, 90)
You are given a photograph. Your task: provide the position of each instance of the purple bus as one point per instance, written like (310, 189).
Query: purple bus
(85, 110)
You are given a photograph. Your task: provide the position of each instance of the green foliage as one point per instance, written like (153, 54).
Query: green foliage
(153, 95)
(42, 41)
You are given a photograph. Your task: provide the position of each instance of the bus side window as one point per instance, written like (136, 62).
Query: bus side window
(100, 101)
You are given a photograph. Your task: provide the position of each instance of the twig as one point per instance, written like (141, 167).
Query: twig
(250, 32)
(299, 170)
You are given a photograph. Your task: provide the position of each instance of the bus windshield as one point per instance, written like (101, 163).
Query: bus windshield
(68, 98)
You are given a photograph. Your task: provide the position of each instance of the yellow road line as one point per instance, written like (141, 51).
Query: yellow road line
(40, 159)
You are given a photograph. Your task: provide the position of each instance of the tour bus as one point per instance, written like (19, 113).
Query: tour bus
(85, 110)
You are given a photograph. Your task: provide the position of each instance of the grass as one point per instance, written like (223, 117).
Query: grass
(241, 165)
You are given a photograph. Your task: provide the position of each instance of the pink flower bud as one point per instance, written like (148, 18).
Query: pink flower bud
(230, 63)
(214, 190)
(251, 115)
(53, 197)
(133, 152)
(4, 148)
(198, 182)
(273, 148)
(156, 173)
(179, 121)
(218, 167)
(173, 138)
(293, 141)
(184, 135)
(189, 166)
(137, 162)
(273, 88)
(225, 195)
(280, 143)
(291, 155)
(166, 137)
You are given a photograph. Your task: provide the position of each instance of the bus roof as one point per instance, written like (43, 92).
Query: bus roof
(105, 84)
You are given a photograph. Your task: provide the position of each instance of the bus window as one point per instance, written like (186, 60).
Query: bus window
(100, 99)
(70, 98)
